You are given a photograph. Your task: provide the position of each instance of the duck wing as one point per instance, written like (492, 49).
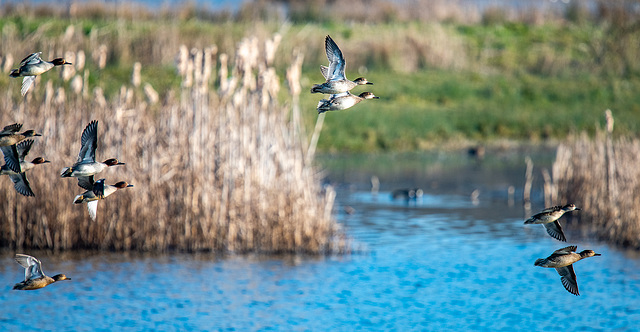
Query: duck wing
(566, 250)
(336, 60)
(11, 158)
(555, 230)
(27, 81)
(98, 188)
(11, 129)
(89, 142)
(21, 184)
(86, 182)
(93, 209)
(23, 148)
(551, 209)
(32, 266)
(568, 278)
(31, 59)
(325, 71)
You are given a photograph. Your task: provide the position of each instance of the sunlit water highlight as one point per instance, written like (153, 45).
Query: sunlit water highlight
(439, 263)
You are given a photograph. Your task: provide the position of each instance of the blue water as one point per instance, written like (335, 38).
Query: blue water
(440, 263)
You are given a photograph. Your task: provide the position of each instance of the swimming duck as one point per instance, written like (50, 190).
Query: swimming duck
(15, 166)
(342, 101)
(407, 194)
(336, 81)
(99, 191)
(32, 66)
(10, 136)
(562, 260)
(34, 278)
(549, 219)
(86, 165)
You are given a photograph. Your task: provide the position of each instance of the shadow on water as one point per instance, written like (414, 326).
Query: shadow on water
(442, 261)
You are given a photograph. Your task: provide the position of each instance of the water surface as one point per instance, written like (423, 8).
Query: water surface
(440, 263)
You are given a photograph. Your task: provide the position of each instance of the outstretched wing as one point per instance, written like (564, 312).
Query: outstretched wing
(23, 148)
(568, 278)
(21, 184)
(325, 71)
(555, 230)
(89, 142)
(31, 59)
(27, 81)
(11, 129)
(86, 182)
(98, 188)
(92, 206)
(336, 60)
(11, 158)
(32, 266)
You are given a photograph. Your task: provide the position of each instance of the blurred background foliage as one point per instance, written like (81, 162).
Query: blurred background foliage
(449, 73)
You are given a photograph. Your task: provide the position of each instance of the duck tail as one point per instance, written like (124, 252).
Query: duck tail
(315, 88)
(529, 221)
(15, 73)
(78, 199)
(66, 172)
(538, 262)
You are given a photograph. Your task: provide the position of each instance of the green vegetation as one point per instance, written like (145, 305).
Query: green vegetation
(448, 82)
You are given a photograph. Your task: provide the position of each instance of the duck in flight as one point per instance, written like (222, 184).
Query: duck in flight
(34, 278)
(562, 260)
(336, 81)
(549, 219)
(98, 191)
(86, 165)
(9, 134)
(15, 166)
(32, 66)
(342, 101)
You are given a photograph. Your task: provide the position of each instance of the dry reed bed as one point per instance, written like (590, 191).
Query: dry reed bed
(602, 177)
(215, 166)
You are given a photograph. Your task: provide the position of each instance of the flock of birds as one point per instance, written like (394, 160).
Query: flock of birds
(15, 146)
(337, 85)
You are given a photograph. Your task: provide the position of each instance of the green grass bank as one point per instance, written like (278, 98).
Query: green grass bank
(441, 83)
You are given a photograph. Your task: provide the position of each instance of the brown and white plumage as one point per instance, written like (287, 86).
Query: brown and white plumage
(549, 219)
(562, 260)
(336, 80)
(98, 192)
(34, 278)
(32, 66)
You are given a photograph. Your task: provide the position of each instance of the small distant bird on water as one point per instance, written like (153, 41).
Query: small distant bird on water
(562, 260)
(407, 194)
(32, 66)
(15, 166)
(336, 81)
(10, 136)
(99, 191)
(34, 278)
(86, 165)
(342, 101)
(549, 219)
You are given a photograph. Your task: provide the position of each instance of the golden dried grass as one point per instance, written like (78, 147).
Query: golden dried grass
(216, 168)
(602, 177)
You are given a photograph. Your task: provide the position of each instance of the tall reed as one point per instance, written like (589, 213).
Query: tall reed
(215, 165)
(602, 177)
